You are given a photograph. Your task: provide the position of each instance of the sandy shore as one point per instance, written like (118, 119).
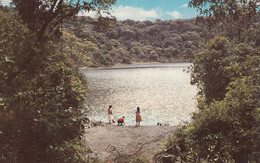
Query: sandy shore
(126, 139)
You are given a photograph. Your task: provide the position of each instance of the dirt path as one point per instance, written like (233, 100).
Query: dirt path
(126, 139)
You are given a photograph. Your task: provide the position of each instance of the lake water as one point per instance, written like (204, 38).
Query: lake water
(162, 91)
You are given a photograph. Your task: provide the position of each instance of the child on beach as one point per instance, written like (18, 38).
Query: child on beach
(121, 121)
(138, 117)
(110, 114)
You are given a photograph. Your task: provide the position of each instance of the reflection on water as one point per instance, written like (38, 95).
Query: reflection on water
(162, 91)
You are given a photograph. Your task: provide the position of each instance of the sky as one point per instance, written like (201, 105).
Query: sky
(153, 9)
(140, 10)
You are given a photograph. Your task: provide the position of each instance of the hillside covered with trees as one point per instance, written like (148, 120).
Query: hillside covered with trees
(137, 41)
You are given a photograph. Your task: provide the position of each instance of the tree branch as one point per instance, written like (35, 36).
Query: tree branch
(45, 25)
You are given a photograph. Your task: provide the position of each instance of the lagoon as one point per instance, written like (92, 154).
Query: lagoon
(162, 91)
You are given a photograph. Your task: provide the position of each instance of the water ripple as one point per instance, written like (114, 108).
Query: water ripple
(162, 91)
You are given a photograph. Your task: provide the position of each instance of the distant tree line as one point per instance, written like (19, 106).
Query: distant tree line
(131, 41)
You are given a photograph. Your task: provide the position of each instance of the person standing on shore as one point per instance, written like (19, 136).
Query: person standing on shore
(138, 117)
(110, 114)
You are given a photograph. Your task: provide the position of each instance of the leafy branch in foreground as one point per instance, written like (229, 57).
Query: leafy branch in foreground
(226, 71)
(225, 131)
(44, 18)
(42, 99)
(232, 18)
(42, 94)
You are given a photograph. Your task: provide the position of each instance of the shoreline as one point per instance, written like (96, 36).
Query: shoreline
(126, 139)
(134, 63)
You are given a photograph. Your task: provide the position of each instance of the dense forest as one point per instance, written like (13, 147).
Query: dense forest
(132, 41)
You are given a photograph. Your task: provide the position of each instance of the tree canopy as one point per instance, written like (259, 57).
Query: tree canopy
(135, 41)
(232, 16)
(226, 126)
(45, 17)
(42, 92)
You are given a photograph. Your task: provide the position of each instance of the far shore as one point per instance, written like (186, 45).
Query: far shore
(134, 63)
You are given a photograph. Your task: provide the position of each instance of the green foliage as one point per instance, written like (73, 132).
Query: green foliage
(42, 99)
(78, 50)
(42, 92)
(134, 41)
(74, 148)
(176, 146)
(220, 63)
(208, 70)
(44, 17)
(226, 127)
(224, 131)
(231, 17)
